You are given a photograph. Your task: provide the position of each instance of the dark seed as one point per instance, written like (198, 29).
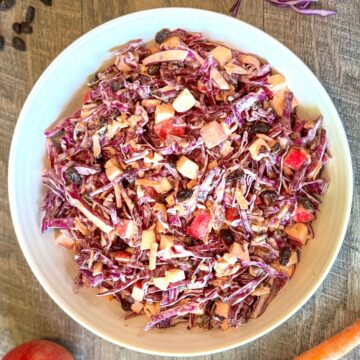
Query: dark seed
(2, 43)
(16, 27)
(72, 176)
(227, 236)
(260, 128)
(306, 203)
(153, 69)
(284, 257)
(162, 35)
(26, 28)
(18, 44)
(235, 175)
(47, 2)
(30, 14)
(268, 197)
(172, 159)
(184, 194)
(6, 4)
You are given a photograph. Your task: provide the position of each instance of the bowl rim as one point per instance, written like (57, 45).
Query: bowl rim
(14, 210)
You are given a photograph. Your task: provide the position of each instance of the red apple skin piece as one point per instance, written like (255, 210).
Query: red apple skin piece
(232, 214)
(294, 159)
(167, 127)
(39, 350)
(200, 225)
(302, 215)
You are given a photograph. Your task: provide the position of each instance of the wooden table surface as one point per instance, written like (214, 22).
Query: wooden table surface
(330, 46)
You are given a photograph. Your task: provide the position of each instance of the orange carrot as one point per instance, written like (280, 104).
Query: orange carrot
(335, 347)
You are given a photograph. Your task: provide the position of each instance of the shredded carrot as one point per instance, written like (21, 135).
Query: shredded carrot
(335, 347)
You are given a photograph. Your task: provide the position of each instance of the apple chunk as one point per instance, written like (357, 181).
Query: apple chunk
(164, 112)
(222, 55)
(298, 232)
(187, 168)
(184, 101)
(213, 134)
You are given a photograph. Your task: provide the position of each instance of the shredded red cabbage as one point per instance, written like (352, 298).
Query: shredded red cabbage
(300, 6)
(186, 184)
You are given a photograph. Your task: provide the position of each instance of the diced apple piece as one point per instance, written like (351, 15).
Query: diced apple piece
(148, 237)
(213, 134)
(170, 200)
(187, 168)
(167, 55)
(172, 42)
(161, 282)
(255, 149)
(126, 229)
(222, 55)
(122, 256)
(232, 68)
(151, 309)
(230, 258)
(164, 112)
(113, 169)
(147, 182)
(152, 256)
(137, 293)
(287, 270)
(167, 242)
(277, 82)
(278, 102)
(184, 101)
(97, 268)
(65, 241)
(199, 227)
(164, 187)
(295, 158)
(153, 158)
(219, 80)
(222, 309)
(174, 275)
(298, 232)
(240, 251)
(241, 199)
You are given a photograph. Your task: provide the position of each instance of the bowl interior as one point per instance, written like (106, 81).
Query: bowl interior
(54, 266)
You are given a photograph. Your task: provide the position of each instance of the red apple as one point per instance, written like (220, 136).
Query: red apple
(39, 350)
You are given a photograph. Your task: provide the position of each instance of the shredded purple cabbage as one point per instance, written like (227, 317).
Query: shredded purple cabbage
(300, 6)
(186, 183)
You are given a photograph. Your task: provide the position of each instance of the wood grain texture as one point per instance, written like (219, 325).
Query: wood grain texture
(331, 48)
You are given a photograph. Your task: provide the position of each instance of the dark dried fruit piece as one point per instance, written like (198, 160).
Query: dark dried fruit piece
(153, 69)
(125, 304)
(276, 148)
(16, 27)
(72, 176)
(162, 35)
(235, 175)
(284, 256)
(116, 86)
(260, 128)
(268, 197)
(26, 28)
(2, 43)
(6, 4)
(30, 14)
(47, 2)
(172, 159)
(227, 236)
(184, 194)
(306, 203)
(18, 44)
(120, 247)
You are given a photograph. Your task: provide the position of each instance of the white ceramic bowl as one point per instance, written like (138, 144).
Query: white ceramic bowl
(54, 267)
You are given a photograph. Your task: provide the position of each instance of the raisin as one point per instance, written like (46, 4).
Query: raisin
(26, 28)
(260, 128)
(172, 159)
(2, 43)
(72, 176)
(30, 14)
(153, 69)
(125, 183)
(125, 304)
(306, 203)
(227, 236)
(162, 35)
(47, 2)
(235, 175)
(16, 27)
(268, 197)
(184, 194)
(6, 4)
(120, 247)
(18, 44)
(116, 86)
(284, 256)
